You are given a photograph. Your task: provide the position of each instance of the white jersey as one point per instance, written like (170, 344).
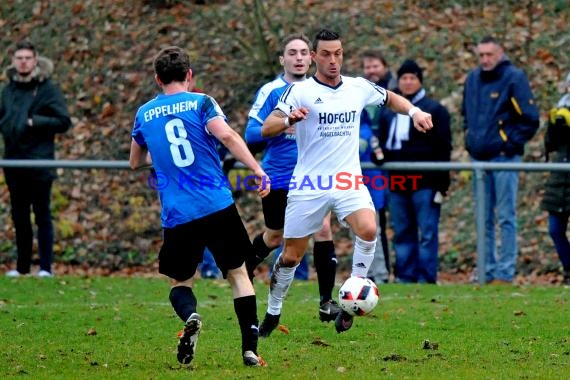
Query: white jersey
(328, 141)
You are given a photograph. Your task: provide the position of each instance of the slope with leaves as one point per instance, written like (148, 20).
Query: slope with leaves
(103, 53)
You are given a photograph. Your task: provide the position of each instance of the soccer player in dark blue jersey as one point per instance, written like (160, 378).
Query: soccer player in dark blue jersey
(278, 161)
(180, 130)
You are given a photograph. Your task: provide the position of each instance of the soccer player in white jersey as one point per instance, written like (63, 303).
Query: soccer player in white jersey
(279, 161)
(325, 113)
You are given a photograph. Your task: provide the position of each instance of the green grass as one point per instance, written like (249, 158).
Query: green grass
(124, 328)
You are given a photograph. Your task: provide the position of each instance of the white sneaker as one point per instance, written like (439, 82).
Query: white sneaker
(44, 273)
(13, 273)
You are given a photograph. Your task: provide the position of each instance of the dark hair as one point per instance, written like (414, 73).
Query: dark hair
(171, 64)
(489, 40)
(374, 54)
(325, 35)
(25, 45)
(293, 37)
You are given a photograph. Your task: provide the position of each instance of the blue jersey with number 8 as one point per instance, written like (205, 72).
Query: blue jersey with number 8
(189, 176)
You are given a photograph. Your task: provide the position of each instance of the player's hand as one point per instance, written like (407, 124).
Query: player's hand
(263, 183)
(298, 114)
(422, 121)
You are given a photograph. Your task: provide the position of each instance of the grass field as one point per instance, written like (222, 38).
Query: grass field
(124, 328)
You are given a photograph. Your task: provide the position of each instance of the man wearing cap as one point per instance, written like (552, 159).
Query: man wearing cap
(415, 205)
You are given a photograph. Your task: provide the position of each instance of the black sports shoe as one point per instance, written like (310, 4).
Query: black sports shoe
(270, 322)
(250, 359)
(189, 339)
(343, 321)
(328, 311)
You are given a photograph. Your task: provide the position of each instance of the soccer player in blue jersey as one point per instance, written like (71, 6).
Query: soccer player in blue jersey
(180, 130)
(278, 161)
(325, 113)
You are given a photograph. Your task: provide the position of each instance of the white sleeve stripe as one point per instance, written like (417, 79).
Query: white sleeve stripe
(256, 118)
(264, 92)
(285, 94)
(377, 88)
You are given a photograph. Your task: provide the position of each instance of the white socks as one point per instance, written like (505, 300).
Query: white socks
(362, 256)
(281, 280)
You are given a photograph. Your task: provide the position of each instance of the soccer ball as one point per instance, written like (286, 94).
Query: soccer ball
(358, 296)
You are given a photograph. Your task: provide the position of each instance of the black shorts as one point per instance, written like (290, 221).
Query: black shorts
(274, 205)
(223, 232)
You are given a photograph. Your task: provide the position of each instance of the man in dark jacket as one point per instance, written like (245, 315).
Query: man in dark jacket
(499, 118)
(415, 206)
(32, 111)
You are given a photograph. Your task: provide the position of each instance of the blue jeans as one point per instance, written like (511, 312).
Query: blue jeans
(557, 225)
(415, 220)
(501, 198)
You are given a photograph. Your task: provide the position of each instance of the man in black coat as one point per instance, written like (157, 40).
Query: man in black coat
(32, 111)
(415, 198)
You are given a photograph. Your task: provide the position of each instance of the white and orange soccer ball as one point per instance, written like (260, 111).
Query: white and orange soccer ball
(358, 296)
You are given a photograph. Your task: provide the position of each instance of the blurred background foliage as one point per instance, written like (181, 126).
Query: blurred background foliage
(103, 53)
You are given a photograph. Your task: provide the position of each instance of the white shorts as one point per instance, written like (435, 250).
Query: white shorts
(305, 213)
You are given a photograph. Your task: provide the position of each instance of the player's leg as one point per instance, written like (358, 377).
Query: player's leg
(273, 205)
(245, 307)
(356, 209)
(302, 271)
(324, 257)
(179, 256)
(230, 254)
(379, 269)
(281, 279)
(303, 217)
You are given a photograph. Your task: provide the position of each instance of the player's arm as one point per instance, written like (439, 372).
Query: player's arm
(139, 156)
(422, 120)
(237, 147)
(278, 121)
(255, 141)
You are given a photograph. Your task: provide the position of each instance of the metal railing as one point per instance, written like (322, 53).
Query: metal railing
(479, 169)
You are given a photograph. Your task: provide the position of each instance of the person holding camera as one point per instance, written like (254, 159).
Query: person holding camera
(556, 198)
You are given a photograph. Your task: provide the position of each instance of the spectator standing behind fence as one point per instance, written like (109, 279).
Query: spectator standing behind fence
(375, 68)
(32, 111)
(557, 191)
(415, 209)
(499, 118)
